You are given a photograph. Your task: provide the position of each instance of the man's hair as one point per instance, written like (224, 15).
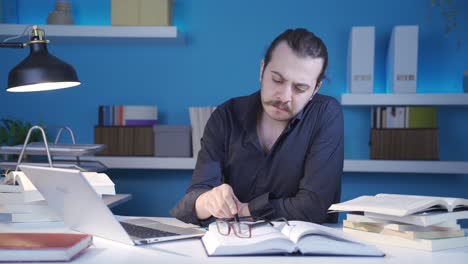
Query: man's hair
(303, 43)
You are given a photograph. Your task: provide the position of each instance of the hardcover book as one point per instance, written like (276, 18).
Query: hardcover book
(20, 247)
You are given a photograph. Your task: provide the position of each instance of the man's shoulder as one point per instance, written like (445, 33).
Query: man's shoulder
(240, 104)
(328, 102)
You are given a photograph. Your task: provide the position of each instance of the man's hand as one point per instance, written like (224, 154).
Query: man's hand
(220, 202)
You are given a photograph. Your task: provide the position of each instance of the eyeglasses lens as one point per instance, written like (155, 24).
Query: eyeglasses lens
(223, 227)
(242, 230)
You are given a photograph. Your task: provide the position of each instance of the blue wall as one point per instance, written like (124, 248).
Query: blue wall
(225, 41)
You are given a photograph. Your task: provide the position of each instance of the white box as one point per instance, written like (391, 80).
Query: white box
(360, 72)
(402, 60)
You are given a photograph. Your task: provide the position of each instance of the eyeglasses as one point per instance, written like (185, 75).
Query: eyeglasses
(242, 226)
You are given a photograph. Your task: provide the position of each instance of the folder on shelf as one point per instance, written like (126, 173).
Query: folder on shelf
(402, 60)
(360, 66)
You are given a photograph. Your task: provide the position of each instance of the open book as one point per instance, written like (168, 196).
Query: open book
(298, 238)
(400, 205)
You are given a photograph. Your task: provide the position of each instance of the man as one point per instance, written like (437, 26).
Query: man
(277, 152)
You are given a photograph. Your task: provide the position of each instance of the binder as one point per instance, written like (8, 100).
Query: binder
(402, 60)
(360, 72)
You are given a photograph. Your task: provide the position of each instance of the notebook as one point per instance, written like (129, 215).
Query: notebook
(74, 199)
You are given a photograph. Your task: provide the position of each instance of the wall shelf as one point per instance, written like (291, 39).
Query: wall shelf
(403, 166)
(376, 166)
(77, 33)
(141, 162)
(453, 99)
(406, 166)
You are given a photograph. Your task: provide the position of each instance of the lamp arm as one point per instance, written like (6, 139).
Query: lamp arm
(18, 45)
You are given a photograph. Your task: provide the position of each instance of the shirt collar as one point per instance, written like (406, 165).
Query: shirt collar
(250, 115)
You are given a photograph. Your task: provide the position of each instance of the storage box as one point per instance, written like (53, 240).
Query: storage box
(124, 12)
(402, 60)
(125, 141)
(360, 68)
(142, 12)
(404, 144)
(172, 141)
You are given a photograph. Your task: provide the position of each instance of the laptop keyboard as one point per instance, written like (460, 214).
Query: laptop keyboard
(144, 232)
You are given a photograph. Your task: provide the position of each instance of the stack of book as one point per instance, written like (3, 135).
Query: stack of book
(198, 118)
(21, 202)
(419, 222)
(128, 115)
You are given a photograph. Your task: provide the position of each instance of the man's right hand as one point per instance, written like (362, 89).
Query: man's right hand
(220, 202)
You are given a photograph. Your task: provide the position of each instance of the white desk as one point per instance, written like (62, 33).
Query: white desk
(192, 251)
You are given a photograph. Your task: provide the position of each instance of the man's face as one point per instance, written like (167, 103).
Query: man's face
(288, 82)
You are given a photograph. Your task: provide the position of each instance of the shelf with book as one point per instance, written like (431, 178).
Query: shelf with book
(447, 99)
(406, 166)
(120, 34)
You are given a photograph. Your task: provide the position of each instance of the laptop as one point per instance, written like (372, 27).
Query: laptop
(74, 199)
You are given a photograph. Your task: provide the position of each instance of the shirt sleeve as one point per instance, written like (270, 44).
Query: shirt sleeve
(321, 183)
(207, 173)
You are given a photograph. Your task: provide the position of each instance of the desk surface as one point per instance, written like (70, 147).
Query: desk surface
(192, 251)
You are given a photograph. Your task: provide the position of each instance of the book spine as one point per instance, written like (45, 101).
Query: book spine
(121, 115)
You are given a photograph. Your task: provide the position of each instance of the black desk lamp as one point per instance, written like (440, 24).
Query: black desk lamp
(40, 71)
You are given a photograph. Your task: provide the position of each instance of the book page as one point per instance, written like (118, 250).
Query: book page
(452, 224)
(451, 203)
(316, 239)
(298, 229)
(265, 239)
(397, 205)
(423, 219)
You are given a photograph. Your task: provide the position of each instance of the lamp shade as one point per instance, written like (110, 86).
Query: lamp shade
(41, 71)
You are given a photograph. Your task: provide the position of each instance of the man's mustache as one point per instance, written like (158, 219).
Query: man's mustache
(281, 105)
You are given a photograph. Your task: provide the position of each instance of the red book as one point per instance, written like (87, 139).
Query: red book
(42, 246)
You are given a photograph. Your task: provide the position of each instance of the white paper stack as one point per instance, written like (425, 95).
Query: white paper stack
(361, 48)
(21, 202)
(198, 118)
(402, 60)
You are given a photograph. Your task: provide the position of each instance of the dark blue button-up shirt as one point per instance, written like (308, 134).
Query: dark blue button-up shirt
(299, 178)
